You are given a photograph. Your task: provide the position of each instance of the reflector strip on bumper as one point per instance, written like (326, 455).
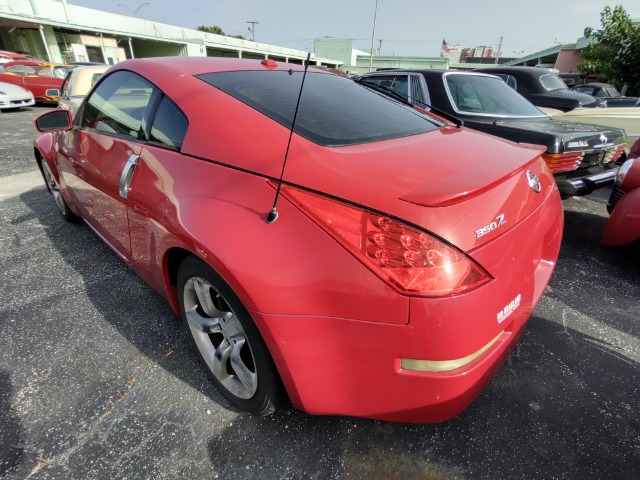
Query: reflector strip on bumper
(444, 365)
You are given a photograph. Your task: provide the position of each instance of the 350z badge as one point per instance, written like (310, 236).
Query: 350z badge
(499, 221)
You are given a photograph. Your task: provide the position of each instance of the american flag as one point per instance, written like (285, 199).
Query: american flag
(445, 47)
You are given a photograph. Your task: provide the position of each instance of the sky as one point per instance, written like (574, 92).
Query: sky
(403, 27)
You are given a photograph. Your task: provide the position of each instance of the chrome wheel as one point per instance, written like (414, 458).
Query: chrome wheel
(220, 338)
(53, 187)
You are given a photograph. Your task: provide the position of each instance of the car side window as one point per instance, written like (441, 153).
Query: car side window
(117, 105)
(169, 124)
(418, 95)
(65, 89)
(19, 70)
(509, 80)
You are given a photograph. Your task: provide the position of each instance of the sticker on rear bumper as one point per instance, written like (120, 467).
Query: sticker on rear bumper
(509, 309)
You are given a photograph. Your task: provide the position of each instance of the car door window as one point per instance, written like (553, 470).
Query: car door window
(169, 124)
(117, 105)
(19, 70)
(418, 94)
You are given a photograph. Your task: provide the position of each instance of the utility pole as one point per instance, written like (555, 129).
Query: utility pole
(252, 29)
(379, 46)
(499, 50)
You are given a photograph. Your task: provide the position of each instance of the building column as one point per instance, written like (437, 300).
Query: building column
(50, 44)
(131, 48)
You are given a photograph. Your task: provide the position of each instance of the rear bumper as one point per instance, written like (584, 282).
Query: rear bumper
(575, 187)
(341, 366)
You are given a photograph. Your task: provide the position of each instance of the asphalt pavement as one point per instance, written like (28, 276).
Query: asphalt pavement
(98, 381)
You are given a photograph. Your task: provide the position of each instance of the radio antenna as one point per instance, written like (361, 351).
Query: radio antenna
(273, 213)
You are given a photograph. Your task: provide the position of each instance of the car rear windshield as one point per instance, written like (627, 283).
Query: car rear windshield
(552, 82)
(484, 95)
(333, 111)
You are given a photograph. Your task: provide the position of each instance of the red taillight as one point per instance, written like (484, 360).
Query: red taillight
(408, 258)
(563, 162)
(635, 149)
(615, 153)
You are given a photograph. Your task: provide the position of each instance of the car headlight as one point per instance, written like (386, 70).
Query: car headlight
(3, 93)
(622, 172)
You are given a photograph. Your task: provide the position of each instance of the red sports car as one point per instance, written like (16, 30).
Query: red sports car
(623, 226)
(406, 256)
(43, 79)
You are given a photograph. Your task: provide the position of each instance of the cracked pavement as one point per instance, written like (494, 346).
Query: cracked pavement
(97, 379)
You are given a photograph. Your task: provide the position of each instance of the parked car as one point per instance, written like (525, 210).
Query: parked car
(77, 84)
(623, 226)
(43, 79)
(608, 93)
(404, 263)
(625, 118)
(581, 157)
(543, 87)
(13, 96)
(10, 56)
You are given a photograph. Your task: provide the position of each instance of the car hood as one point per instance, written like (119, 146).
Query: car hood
(11, 89)
(450, 181)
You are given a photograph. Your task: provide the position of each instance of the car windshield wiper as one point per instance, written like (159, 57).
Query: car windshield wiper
(402, 98)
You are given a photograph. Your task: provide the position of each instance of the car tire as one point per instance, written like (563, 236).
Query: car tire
(54, 189)
(227, 341)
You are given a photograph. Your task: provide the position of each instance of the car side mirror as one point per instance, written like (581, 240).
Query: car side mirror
(54, 120)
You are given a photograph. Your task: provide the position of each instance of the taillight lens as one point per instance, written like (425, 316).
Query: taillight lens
(614, 154)
(410, 259)
(563, 162)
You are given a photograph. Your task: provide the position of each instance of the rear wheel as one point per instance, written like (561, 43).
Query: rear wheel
(227, 341)
(66, 213)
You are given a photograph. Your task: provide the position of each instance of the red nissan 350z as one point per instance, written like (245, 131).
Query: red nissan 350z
(406, 256)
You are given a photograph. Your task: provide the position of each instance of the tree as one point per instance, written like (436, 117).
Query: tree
(212, 29)
(614, 54)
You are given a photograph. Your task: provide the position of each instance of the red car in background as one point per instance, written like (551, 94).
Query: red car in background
(623, 226)
(43, 79)
(404, 262)
(11, 56)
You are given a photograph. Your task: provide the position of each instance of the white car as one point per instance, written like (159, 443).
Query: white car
(77, 84)
(13, 96)
(627, 118)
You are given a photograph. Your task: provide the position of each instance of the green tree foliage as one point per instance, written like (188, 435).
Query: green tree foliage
(212, 29)
(615, 54)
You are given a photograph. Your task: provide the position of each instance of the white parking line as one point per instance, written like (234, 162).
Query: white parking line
(14, 185)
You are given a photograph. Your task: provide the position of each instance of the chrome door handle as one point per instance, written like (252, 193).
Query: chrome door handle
(127, 175)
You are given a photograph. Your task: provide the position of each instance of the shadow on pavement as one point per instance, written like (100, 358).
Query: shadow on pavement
(563, 406)
(123, 299)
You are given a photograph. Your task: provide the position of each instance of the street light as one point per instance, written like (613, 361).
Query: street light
(252, 29)
(133, 10)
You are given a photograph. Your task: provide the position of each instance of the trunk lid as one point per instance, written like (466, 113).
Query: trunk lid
(453, 182)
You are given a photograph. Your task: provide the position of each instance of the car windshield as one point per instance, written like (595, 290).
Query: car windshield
(60, 72)
(552, 82)
(485, 95)
(334, 110)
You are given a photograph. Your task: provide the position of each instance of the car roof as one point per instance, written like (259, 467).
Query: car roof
(594, 84)
(200, 65)
(431, 72)
(33, 63)
(529, 71)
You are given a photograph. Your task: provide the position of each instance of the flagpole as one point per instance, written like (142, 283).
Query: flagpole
(373, 34)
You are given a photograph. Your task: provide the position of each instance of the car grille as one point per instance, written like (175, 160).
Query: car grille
(615, 197)
(19, 102)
